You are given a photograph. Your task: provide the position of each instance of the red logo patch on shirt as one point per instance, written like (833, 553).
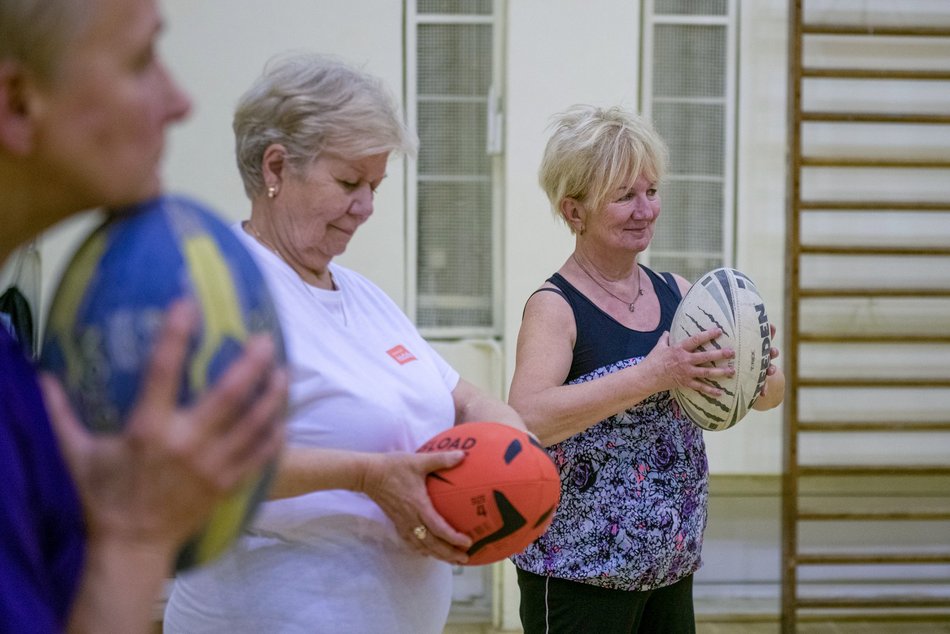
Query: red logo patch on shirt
(401, 354)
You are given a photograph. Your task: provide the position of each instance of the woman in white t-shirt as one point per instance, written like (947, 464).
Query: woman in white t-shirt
(350, 541)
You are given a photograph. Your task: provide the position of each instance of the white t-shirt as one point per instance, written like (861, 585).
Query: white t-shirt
(362, 378)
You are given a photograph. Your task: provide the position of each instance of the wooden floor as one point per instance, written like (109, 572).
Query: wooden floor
(855, 627)
(766, 625)
(756, 624)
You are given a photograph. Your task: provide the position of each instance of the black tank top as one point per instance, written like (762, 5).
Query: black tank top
(602, 340)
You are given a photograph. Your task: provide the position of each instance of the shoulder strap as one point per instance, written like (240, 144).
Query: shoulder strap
(552, 290)
(671, 282)
(546, 288)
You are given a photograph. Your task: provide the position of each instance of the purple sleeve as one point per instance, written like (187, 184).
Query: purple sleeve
(41, 530)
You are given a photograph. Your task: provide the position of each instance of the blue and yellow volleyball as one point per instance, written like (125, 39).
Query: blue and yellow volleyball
(109, 307)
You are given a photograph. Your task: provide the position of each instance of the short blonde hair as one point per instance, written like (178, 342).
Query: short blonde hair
(313, 104)
(593, 151)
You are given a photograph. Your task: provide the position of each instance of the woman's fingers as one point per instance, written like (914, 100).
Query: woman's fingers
(429, 543)
(160, 386)
(398, 485)
(255, 437)
(226, 403)
(702, 361)
(443, 539)
(73, 437)
(701, 339)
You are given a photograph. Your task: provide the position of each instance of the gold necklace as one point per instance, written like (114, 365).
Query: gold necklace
(257, 236)
(631, 306)
(252, 230)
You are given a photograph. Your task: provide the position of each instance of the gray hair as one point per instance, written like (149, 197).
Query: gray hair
(313, 104)
(593, 151)
(36, 33)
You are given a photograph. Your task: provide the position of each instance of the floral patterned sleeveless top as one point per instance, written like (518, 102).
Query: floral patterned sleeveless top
(634, 486)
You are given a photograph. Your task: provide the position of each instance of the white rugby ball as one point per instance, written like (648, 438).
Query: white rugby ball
(727, 299)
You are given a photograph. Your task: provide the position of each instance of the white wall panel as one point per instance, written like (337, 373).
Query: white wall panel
(754, 445)
(560, 52)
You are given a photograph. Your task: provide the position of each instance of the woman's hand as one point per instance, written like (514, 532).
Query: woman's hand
(397, 483)
(149, 488)
(773, 391)
(155, 483)
(687, 364)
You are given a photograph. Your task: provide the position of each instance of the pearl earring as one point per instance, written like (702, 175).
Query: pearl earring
(272, 191)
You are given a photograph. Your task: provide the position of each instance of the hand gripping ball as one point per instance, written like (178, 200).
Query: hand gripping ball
(504, 492)
(727, 299)
(110, 304)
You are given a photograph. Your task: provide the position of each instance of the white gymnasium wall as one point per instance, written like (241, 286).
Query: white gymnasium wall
(559, 52)
(755, 445)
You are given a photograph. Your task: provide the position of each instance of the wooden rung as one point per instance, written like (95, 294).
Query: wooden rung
(879, 250)
(877, 427)
(873, 205)
(840, 293)
(882, 338)
(919, 470)
(872, 516)
(821, 559)
(873, 382)
(876, 73)
(856, 161)
(881, 31)
(889, 601)
(875, 117)
(876, 618)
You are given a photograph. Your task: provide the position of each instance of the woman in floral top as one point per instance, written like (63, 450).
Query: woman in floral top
(592, 379)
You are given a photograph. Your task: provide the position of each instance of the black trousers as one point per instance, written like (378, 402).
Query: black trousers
(558, 606)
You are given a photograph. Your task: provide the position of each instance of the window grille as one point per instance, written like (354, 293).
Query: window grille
(454, 230)
(688, 87)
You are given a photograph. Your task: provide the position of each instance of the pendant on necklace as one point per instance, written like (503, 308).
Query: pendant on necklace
(632, 306)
